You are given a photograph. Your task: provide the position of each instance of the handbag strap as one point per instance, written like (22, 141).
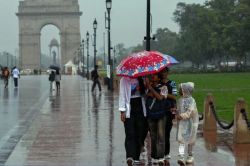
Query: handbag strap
(152, 104)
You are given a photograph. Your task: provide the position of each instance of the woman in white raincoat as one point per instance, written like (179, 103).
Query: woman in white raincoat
(188, 119)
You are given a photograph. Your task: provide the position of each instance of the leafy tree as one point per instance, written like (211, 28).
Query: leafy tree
(121, 51)
(194, 32)
(221, 13)
(165, 41)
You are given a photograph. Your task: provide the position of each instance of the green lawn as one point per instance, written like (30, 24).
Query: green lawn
(225, 87)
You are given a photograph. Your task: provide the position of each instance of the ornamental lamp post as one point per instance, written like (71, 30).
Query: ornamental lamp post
(82, 51)
(87, 46)
(148, 27)
(79, 59)
(95, 27)
(148, 37)
(110, 66)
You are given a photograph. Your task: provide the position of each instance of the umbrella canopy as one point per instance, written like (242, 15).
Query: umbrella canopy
(144, 63)
(171, 59)
(55, 67)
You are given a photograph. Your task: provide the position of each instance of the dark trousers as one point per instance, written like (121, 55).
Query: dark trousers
(94, 84)
(6, 82)
(135, 128)
(16, 82)
(157, 134)
(57, 85)
(169, 124)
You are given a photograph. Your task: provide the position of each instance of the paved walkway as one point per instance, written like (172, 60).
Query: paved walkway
(75, 127)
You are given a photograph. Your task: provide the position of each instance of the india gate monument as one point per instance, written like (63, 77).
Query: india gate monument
(33, 15)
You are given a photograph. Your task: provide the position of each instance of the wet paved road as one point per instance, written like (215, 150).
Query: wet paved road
(76, 127)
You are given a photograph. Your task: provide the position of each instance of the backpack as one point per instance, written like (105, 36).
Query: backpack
(94, 74)
(51, 77)
(156, 109)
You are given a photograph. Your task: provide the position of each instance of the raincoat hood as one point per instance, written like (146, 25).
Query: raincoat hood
(187, 89)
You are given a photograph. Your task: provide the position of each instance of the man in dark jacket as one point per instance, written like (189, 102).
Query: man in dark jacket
(95, 78)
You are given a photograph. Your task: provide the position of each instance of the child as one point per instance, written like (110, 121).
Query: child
(171, 104)
(187, 116)
(156, 111)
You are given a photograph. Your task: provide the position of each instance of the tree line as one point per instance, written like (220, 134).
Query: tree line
(210, 33)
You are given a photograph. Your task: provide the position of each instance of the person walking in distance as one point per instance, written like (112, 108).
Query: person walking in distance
(95, 79)
(52, 76)
(6, 76)
(58, 79)
(16, 75)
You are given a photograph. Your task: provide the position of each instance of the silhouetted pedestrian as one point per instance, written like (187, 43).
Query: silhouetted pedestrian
(95, 79)
(58, 79)
(52, 79)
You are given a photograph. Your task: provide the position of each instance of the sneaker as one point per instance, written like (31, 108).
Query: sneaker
(130, 161)
(137, 162)
(181, 160)
(154, 161)
(167, 163)
(190, 160)
(161, 162)
(167, 157)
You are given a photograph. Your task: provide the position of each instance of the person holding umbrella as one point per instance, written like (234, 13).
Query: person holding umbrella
(58, 79)
(170, 98)
(52, 79)
(133, 115)
(156, 111)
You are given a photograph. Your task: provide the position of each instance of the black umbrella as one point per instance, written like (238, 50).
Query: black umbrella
(54, 67)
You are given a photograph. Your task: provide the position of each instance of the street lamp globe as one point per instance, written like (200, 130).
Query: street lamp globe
(108, 4)
(95, 24)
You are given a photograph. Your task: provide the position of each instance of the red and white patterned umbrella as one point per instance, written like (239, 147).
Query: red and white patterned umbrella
(144, 63)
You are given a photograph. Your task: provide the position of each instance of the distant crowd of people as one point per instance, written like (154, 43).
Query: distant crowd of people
(54, 77)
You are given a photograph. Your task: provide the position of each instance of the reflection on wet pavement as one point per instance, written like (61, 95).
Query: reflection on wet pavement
(77, 127)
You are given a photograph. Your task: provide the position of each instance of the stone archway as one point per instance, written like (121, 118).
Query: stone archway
(33, 15)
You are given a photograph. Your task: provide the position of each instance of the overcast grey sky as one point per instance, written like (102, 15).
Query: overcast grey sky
(128, 21)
